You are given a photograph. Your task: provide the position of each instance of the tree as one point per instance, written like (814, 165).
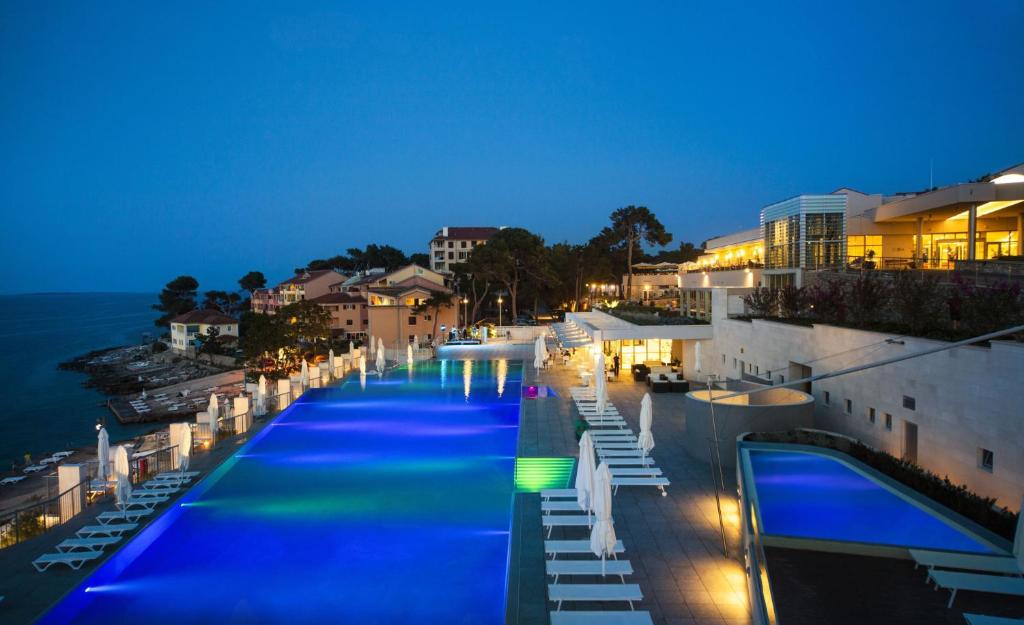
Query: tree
(306, 323)
(632, 226)
(252, 281)
(918, 301)
(471, 282)
(420, 258)
(869, 297)
(509, 257)
(434, 303)
(685, 253)
(792, 301)
(762, 301)
(227, 303)
(210, 343)
(260, 335)
(177, 297)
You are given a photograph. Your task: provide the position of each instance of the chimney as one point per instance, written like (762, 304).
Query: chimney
(444, 231)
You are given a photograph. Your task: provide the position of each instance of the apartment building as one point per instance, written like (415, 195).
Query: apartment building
(302, 286)
(453, 244)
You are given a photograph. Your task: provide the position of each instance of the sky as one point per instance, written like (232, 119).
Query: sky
(141, 141)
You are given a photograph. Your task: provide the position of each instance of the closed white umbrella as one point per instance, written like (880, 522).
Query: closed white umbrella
(362, 365)
(408, 353)
(380, 358)
(380, 344)
(602, 536)
(645, 442)
(538, 360)
(261, 396)
(122, 469)
(330, 364)
(696, 357)
(352, 349)
(371, 345)
(600, 385)
(304, 374)
(103, 454)
(585, 474)
(213, 408)
(185, 447)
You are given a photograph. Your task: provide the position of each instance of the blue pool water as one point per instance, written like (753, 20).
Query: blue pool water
(810, 495)
(389, 504)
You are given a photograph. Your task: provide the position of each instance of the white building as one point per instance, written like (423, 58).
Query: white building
(453, 244)
(185, 328)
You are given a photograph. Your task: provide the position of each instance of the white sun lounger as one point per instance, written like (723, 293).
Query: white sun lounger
(594, 592)
(981, 619)
(659, 482)
(629, 461)
(613, 437)
(554, 548)
(167, 486)
(75, 560)
(622, 453)
(146, 503)
(970, 562)
(558, 493)
(176, 475)
(90, 531)
(132, 516)
(551, 521)
(622, 568)
(633, 617)
(635, 471)
(35, 468)
(86, 544)
(63, 454)
(995, 584)
(566, 505)
(12, 480)
(599, 445)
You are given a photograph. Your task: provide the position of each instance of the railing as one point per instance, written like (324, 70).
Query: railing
(38, 518)
(736, 267)
(160, 461)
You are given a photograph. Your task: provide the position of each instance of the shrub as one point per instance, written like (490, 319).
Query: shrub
(918, 302)
(792, 301)
(983, 309)
(762, 301)
(868, 299)
(827, 300)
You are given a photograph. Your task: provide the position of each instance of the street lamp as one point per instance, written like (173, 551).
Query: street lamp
(499, 310)
(465, 311)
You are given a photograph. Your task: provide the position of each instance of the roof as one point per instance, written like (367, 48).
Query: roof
(734, 238)
(338, 298)
(309, 276)
(467, 232)
(209, 317)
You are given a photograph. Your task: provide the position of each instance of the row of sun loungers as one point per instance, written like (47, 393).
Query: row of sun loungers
(977, 573)
(91, 540)
(574, 558)
(616, 443)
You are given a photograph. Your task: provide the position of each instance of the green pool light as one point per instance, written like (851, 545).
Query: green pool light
(536, 474)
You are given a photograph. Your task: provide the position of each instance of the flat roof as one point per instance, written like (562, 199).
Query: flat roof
(601, 326)
(948, 201)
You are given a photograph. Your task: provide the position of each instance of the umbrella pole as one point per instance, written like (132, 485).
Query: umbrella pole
(602, 564)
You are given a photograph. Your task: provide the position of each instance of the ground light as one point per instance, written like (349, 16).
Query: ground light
(536, 474)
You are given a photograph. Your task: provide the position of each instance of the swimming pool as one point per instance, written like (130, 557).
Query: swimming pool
(811, 495)
(385, 504)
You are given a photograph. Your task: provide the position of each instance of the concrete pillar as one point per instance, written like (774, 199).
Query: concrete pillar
(920, 240)
(972, 230)
(284, 393)
(1020, 234)
(70, 478)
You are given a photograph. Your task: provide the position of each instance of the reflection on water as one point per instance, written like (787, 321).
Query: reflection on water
(467, 376)
(502, 374)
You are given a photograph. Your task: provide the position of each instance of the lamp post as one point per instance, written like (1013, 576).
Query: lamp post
(499, 310)
(465, 311)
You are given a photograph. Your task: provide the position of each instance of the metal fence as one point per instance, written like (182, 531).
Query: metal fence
(38, 518)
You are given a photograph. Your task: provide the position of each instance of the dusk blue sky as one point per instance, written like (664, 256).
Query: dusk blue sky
(140, 141)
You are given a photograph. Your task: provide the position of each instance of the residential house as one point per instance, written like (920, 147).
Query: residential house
(453, 244)
(186, 327)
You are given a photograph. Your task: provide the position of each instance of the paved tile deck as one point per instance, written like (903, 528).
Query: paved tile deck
(673, 542)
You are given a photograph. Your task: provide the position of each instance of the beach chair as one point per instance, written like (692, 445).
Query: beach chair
(560, 593)
(659, 482)
(558, 493)
(567, 505)
(969, 562)
(638, 461)
(622, 568)
(87, 544)
(73, 559)
(555, 548)
(551, 521)
(613, 437)
(146, 503)
(585, 617)
(90, 531)
(63, 454)
(12, 480)
(117, 516)
(167, 486)
(621, 453)
(35, 468)
(994, 584)
(150, 493)
(635, 472)
(613, 445)
(176, 475)
(981, 619)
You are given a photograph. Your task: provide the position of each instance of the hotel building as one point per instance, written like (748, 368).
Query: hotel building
(453, 244)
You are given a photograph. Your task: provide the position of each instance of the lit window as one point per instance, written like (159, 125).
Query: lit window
(986, 459)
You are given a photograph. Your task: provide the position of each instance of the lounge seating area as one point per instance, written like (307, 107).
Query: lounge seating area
(113, 525)
(977, 573)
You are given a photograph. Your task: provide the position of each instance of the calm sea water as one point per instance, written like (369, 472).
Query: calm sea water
(45, 409)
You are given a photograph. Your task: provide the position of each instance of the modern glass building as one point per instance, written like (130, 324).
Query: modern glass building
(803, 232)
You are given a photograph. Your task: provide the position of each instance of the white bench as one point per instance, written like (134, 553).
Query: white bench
(979, 583)
(622, 568)
(560, 593)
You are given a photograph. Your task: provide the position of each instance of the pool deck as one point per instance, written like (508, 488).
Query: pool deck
(673, 542)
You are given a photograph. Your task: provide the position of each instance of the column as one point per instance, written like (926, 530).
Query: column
(920, 241)
(1020, 234)
(972, 230)
(72, 500)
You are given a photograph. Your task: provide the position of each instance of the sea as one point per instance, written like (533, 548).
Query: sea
(44, 409)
